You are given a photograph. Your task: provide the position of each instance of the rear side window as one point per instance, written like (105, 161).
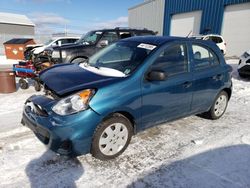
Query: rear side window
(172, 60)
(110, 37)
(203, 57)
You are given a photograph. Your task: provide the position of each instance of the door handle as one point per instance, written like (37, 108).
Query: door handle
(187, 84)
(217, 77)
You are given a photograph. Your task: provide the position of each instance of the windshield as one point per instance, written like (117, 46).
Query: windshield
(90, 38)
(48, 42)
(123, 56)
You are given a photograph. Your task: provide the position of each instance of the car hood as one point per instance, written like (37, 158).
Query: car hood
(38, 50)
(68, 78)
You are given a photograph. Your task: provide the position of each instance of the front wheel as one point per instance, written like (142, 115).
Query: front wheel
(219, 106)
(111, 137)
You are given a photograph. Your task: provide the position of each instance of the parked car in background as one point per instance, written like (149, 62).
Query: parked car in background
(244, 64)
(92, 42)
(218, 39)
(55, 42)
(136, 83)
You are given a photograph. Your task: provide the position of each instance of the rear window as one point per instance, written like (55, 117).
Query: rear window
(143, 33)
(216, 39)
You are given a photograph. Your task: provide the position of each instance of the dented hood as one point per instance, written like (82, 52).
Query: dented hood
(67, 78)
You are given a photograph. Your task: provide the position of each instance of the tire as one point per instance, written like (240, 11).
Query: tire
(219, 106)
(37, 86)
(23, 84)
(242, 75)
(78, 60)
(111, 137)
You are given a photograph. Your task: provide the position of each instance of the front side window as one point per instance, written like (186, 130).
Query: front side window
(203, 57)
(172, 60)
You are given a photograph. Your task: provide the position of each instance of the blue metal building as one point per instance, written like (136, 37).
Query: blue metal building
(229, 18)
(212, 13)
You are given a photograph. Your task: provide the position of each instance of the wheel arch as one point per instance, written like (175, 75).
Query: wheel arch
(127, 115)
(228, 91)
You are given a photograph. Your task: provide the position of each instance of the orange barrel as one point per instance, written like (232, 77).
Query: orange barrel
(7, 81)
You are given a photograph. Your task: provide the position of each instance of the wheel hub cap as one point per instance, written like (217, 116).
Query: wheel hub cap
(113, 139)
(220, 105)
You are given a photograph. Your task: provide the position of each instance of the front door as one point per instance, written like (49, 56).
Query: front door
(171, 98)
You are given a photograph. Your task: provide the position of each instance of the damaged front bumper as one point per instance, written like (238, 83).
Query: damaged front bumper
(66, 135)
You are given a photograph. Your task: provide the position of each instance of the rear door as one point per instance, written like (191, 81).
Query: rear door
(171, 98)
(208, 76)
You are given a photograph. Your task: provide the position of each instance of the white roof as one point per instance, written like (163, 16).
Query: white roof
(15, 19)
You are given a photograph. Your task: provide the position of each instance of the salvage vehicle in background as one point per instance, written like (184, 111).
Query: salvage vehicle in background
(39, 48)
(56, 42)
(218, 39)
(244, 65)
(92, 42)
(131, 85)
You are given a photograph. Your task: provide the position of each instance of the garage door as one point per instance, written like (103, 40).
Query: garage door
(236, 28)
(182, 24)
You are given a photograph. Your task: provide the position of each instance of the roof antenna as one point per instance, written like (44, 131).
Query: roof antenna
(189, 33)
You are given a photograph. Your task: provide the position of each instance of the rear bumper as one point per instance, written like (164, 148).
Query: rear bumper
(65, 135)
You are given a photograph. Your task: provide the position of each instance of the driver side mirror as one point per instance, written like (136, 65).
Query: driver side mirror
(155, 75)
(103, 43)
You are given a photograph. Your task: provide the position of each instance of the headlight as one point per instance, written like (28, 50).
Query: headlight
(56, 54)
(74, 103)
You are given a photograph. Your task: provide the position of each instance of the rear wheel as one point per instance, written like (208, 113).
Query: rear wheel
(219, 106)
(111, 137)
(23, 83)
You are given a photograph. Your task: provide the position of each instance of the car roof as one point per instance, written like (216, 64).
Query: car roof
(161, 40)
(124, 29)
(156, 40)
(214, 35)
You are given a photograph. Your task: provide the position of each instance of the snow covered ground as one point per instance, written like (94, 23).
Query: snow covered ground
(191, 152)
(5, 61)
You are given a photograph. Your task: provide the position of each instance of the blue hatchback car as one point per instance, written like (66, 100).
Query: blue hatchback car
(97, 105)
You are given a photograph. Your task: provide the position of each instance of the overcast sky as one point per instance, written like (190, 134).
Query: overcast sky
(76, 16)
